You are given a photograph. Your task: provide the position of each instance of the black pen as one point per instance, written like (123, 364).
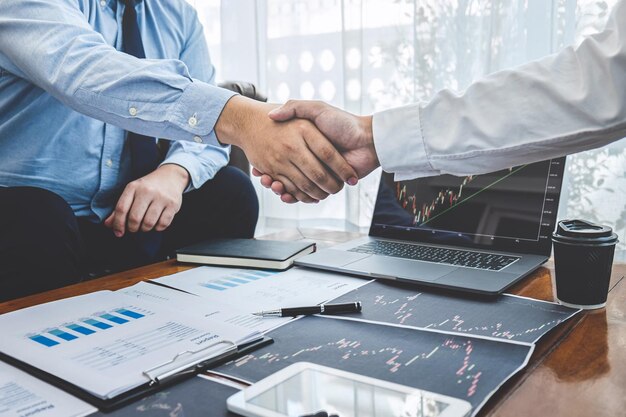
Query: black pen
(306, 311)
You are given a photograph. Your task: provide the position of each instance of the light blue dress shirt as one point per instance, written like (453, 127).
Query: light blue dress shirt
(67, 96)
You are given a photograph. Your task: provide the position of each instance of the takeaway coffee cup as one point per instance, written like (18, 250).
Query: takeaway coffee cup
(583, 256)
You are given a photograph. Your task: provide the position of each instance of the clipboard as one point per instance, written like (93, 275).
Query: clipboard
(159, 377)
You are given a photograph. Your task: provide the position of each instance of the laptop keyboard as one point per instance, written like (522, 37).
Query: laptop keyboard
(480, 260)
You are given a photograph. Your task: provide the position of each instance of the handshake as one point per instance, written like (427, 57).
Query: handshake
(302, 150)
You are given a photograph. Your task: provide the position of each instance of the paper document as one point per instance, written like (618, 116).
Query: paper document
(22, 395)
(108, 343)
(255, 290)
(224, 312)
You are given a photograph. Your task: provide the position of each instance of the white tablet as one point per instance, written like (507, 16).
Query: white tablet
(304, 389)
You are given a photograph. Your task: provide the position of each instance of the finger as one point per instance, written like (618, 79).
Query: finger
(301, 109)
(305, 162)
(266, 181)
(137, 212)
(151, 216)
(166, 219)
(331, 157)
(295, 191)
(278, 187)
(288, 198)
(308, 163)
(121, 210)
(256, 172)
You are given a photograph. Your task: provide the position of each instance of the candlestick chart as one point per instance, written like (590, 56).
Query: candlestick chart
(426, 208)
(459, 366)
(505, 317)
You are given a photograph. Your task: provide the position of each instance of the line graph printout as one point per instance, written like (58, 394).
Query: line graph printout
(456, 365)
(222, 311)
(293, 288)
(506, 317)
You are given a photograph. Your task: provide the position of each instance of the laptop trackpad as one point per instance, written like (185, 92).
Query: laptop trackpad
(330, 257)
(489, 281)
(400, 268)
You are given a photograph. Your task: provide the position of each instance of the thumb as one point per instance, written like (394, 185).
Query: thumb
(297, 109)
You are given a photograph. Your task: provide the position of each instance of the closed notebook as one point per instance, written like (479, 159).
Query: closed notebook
(251, 253)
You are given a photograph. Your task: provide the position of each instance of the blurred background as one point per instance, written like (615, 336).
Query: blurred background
(369, 55)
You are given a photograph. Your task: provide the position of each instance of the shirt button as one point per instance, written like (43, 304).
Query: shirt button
(109, 163)
(197, 139)
(192, 121)
(132, 111)
(103, 3)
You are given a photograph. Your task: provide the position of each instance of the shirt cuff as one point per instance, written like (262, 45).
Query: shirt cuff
(198, 109)
(199, 173)
(399, 142)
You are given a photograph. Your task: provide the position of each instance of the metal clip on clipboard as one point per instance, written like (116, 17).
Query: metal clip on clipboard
(162, 373)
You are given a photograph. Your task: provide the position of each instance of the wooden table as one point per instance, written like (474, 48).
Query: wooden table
(579, 369)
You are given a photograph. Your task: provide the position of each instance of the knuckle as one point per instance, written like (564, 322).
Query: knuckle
(307, 187)
(320, 177)
(133, 220)
(326, 153)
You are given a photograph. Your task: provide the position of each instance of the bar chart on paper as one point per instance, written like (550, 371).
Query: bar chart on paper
(235, 279)
(87, 326)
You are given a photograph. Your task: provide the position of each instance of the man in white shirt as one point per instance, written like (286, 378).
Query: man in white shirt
(565, 103)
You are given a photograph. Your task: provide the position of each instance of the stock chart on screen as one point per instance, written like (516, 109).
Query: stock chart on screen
(518, 203)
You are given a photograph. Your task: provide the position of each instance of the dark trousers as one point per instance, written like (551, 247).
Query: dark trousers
(44, 246)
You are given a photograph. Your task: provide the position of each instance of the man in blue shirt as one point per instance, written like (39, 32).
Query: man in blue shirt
(70, 100)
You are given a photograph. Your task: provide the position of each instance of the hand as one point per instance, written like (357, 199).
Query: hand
(294, 152)
(352, 136)
(151, 202)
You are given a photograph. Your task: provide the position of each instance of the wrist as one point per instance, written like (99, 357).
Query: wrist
(239, 121)
(178, 174)
(367, 139)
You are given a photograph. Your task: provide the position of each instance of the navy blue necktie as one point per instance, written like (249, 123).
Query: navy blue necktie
(144, 153)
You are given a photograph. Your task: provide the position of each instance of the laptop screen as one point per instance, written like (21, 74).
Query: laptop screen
(510, 210)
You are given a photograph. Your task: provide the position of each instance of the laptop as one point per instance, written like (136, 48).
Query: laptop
(479, 233)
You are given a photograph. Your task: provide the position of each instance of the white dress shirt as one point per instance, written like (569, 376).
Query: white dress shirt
(565, 103)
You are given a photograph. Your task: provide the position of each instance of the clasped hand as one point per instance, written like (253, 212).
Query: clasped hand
(351, 135)
(293, 151)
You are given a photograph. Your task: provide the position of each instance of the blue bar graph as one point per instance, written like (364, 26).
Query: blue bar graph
(236, 279)
(44, 340)
(249, 276)
(98, 324)
(131, 314)
(114, 319)
(214, 287)
(226, 284)
(80, 329)
(62, 335)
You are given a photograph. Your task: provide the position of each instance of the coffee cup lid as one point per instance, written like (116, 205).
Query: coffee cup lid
(581, 230)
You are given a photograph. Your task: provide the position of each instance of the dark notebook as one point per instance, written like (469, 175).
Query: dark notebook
(249, 253)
